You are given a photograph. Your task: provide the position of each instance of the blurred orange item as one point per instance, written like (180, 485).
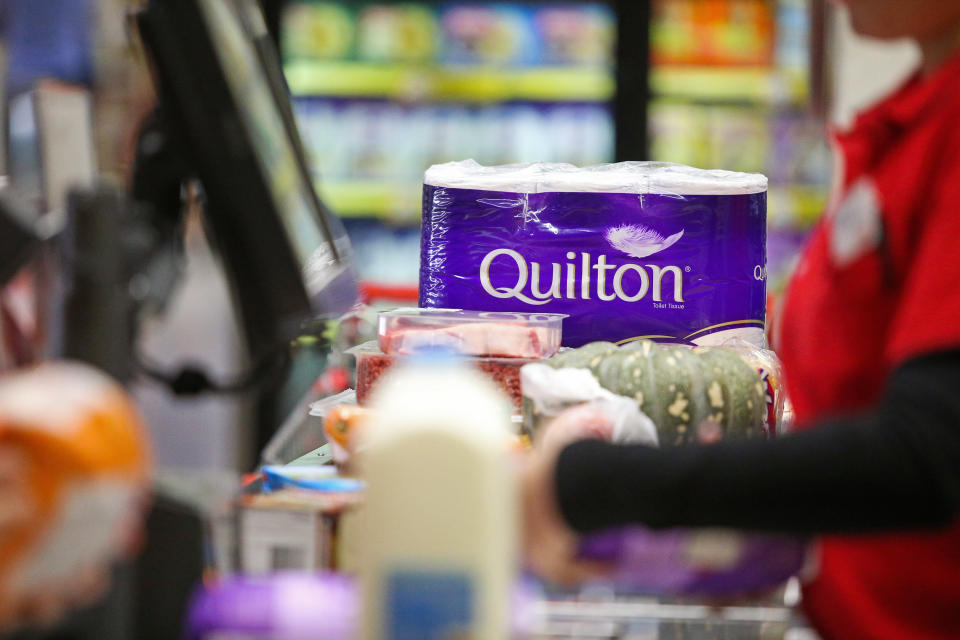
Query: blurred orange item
(713, 32)
(343, 423)
(87, 465)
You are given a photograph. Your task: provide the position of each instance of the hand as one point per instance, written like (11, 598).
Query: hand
(550, 545)
(578, 423)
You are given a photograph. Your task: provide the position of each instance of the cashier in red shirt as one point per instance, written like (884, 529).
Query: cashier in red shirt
(870, 341)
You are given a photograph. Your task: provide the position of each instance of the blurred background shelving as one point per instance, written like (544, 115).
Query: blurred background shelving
(730, 84)
(385, 89)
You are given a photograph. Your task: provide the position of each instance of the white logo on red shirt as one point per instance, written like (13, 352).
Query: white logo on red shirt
(855, 226)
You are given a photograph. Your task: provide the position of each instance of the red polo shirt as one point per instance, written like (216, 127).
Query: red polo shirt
(879, 283)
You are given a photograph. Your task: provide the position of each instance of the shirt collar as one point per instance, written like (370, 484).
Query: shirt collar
(919, 93)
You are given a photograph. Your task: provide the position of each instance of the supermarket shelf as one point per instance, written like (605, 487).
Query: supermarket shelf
(729, 84)
(395, 202)
(464, 84)
(795, 206)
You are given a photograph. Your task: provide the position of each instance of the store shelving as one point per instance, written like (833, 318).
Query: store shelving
(750, 85)
(795, 205)
(730, 86)
(351, 79)
(394, 202)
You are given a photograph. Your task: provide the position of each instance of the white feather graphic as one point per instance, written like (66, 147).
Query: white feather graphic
(639, 241)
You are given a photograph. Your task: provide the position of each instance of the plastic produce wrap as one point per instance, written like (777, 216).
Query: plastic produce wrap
(550, 392)
(299, 435)
(627, 250)
(697, 395)
(770, 368)
(343, 425)
(693, 396)
(332, 427)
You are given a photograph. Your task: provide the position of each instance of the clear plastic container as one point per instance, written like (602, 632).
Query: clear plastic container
(302, 431)
(473, 333)
(372, 363)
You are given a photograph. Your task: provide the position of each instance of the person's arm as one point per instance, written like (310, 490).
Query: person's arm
(897, 467)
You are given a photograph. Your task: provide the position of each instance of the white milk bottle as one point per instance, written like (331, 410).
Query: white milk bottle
(438, 528)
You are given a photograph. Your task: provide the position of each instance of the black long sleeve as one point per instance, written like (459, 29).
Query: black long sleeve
(896, 467)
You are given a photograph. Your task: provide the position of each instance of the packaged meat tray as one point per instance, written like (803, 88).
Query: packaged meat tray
(372, 363)
(473, 333)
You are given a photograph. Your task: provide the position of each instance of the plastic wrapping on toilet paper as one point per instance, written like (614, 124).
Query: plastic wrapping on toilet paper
(628, 250)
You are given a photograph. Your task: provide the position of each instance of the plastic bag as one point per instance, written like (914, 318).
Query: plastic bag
(549, 392)
(669, 380)
(770, 368)
(320, 410)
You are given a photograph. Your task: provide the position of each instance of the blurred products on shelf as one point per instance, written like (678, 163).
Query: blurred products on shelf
(386, 254)
(786, 145)
(384, 90)
(713, 32)
(371, 154)
(730, 82)
(497, 34)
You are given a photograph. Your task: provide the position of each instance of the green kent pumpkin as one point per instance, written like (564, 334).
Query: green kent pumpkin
(589, 356)
(684, 391)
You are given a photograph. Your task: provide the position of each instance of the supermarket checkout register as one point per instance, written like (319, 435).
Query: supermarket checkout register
(224, 104)
(224, 125)
(225, 118)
